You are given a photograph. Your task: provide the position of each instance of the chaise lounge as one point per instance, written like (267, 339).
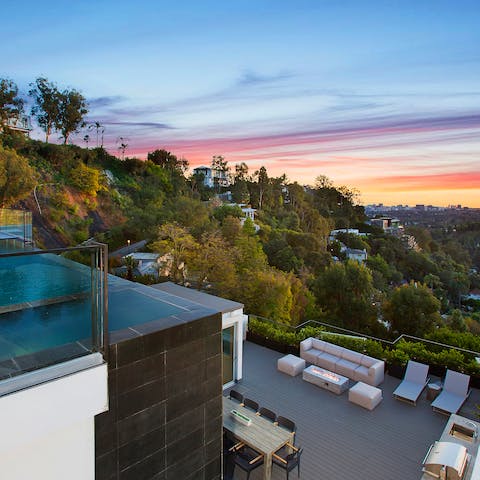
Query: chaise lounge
(455, 392)
(413, 383)
(343, 361)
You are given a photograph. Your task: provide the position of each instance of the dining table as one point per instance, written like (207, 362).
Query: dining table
(262, 435)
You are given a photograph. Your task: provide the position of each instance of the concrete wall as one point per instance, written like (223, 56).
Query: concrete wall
(47, 431)
(165, 417)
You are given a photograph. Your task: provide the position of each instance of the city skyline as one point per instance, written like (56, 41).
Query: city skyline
(379, 96)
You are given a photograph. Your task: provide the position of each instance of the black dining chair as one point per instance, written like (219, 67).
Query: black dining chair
(251, 404)
(234, 395)
(265, 412)
(228, 455)
(288, 461)
(248, 460)
(288, 425)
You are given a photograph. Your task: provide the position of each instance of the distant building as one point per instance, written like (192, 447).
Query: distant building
(212, 177)
(359, 256)
(388, 224)
(351, 231)
(248, 212)
(19, 123)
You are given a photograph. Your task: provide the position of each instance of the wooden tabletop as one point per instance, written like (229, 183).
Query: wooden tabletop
(262, 434)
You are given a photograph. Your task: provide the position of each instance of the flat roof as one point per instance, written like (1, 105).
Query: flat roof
(202, 298)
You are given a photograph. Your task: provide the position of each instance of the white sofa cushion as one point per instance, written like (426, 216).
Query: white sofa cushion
(333, 349)
(319, 344)
(325, 360)
(367, 361)
(345, 367)
(352, 356)
(306, 344)
(361, 374)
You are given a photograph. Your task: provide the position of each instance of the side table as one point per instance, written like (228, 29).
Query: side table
(433, 390)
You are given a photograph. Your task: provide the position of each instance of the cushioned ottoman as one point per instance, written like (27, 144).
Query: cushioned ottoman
(291, 365)
(365, 395)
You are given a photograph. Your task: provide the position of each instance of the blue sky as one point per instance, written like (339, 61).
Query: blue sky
(379, 95)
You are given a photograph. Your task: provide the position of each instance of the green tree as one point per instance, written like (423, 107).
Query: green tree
(168, 160)
(131, 264)
(46, 104)
(177, 242)
(266, 293)
(220, 166)
(231, 229)
(71, 113)
(17, 177)
(250, 254)
(10, 103)
(456, 321)
(223, 211)
(214, 264)
(412, 309)
(239, 189)
(345, 292)
(262, 186)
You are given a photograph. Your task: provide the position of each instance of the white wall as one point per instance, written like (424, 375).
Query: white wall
(47, 431)
(66, 453)
(238, 320)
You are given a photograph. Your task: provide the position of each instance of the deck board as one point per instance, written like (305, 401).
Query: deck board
(343, 441)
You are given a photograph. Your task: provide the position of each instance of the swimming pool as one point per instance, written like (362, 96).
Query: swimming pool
(31, 278)
(46, 301)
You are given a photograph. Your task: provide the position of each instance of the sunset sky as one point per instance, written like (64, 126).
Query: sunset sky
(383, 96)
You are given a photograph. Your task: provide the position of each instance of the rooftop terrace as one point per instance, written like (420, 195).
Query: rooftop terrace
(341, 440)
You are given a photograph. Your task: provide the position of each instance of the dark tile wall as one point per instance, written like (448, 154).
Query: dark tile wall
(165, 415)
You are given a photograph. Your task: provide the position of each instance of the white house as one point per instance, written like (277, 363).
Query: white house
(212, 176)
(19, 123)
(147, 263)
(356, 254)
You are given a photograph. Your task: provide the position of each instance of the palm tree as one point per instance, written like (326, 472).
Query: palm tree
(98, 127)
(123, 145)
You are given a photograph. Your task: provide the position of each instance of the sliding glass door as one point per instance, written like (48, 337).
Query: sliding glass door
(228, 357)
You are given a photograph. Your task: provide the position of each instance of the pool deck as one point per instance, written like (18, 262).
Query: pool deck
(343, 441)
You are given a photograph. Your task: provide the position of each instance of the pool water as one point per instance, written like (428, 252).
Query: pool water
(34, 329)
(45, 301)
(40, 277)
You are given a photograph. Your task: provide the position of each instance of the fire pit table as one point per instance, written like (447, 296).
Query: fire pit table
(326, 379)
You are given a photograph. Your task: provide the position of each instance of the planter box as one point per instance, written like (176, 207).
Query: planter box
(256, 338)
(397, 371)
(275, 345)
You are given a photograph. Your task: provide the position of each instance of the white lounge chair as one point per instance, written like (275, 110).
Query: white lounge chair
(413, 383)
(455, 392)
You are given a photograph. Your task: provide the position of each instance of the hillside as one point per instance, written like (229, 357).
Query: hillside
(287, 270)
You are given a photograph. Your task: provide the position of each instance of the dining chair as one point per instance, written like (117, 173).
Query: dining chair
(265, 412)
(248, 460)
(288, 461)
(234, 395)
(286, 423)
(251, 404)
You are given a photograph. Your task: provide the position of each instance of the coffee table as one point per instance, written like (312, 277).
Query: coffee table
(326, 379)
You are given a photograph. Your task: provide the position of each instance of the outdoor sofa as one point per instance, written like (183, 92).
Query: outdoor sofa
(343, 361)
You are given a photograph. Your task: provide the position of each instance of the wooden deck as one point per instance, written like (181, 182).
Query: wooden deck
(343, 441)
